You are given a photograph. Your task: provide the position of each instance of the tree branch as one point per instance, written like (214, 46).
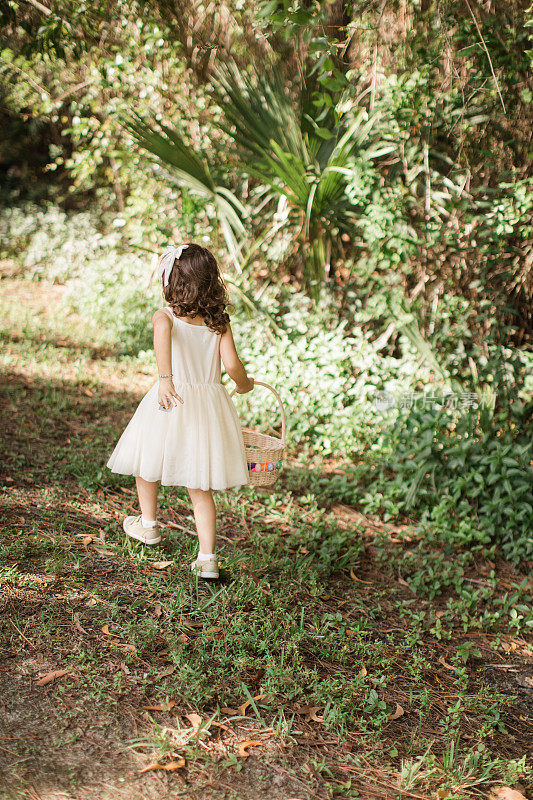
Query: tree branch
(488, 55)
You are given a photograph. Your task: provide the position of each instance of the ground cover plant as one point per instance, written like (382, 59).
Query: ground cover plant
(339, 656)
(362, 173)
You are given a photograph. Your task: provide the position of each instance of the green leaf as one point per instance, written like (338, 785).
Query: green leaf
(191, 170)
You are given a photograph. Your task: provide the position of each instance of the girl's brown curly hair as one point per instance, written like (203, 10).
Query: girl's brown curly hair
(196, 288)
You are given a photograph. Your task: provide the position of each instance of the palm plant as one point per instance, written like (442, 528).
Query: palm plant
(193, 171)
(277, 142)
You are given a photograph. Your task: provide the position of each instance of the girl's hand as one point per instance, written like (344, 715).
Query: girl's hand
(167, 395)
(246, 386)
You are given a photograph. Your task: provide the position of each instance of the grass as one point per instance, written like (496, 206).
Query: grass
(361, 659)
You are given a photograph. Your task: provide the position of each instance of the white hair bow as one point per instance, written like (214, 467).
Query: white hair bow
(166, 262)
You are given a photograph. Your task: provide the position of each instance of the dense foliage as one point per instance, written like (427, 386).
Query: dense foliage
(375, 160)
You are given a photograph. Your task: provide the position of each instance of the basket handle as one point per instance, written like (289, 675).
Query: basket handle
(280, 404)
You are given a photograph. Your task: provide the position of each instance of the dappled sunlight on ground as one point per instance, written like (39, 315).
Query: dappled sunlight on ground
(312, 665)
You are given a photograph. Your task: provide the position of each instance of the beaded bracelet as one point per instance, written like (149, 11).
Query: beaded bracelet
(166, 376)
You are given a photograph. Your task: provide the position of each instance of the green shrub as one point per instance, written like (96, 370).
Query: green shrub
(464, 472)
(474, 487)
(327, 377)
(53, 245)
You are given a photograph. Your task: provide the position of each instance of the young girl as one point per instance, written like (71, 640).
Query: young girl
(185, 431)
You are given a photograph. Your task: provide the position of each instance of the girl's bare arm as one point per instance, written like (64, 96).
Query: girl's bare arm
(232, 363)
(167, 394)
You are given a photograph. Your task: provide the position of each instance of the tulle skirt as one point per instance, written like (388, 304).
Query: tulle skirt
(197, 444)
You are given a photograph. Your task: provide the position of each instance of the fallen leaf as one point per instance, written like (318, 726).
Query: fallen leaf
(87, 539)
(160, 706)
(362, 672)
(166, 672)
(107, 632)
(194, 719)
(171, 765)
(78, 624)
(221, 725)
(51, 676)
(445, 663)
(305, 709)
(505, 793)
(230, 711)
(161, 564)
(91, 602)
(158, 610)
(309, 712)
(243, 748)
(398, 712)
(443, 793)
(242, 708)
(130, 647)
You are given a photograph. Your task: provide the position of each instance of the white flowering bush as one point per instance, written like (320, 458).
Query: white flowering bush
(52, 244)
(328, 379)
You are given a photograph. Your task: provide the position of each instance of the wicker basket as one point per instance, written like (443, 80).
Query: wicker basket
(264, 453)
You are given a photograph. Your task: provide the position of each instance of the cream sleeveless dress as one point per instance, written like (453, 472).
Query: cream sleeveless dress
(197, 444)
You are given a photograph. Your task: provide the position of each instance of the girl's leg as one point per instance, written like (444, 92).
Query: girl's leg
(147, 491)
(205, 516)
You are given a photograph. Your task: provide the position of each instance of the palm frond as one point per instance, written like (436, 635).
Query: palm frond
(279, 142)
(259, 111)
(191, 170)
(170, 148)
(251, 304)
